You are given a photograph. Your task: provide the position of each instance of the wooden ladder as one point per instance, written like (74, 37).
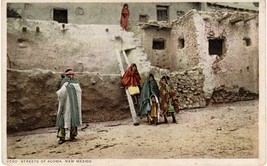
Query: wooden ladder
(130, 100)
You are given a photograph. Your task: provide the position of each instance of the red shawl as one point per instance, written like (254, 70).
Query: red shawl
(130, 79)
(124, 18)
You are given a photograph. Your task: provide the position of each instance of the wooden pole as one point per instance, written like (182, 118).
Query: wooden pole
(248, 19)
(235, 20)
(224, 17)
(130, 100)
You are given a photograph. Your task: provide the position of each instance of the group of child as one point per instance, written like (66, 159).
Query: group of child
(155, 101)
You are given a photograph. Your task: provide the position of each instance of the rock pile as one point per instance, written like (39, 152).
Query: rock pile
(225, 94)
(189, 85)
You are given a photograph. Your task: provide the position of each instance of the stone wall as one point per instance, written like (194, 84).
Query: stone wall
(32, 101)
(189, 86)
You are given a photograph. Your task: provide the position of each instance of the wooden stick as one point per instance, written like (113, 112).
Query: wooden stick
(130, 100)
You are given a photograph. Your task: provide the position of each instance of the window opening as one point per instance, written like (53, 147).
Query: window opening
(216, 47)
(247, 41)
(158, 44)
(181, 43)
(60, 15)
(162, 13)
(143, 18)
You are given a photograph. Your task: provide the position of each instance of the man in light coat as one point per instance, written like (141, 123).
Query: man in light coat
(69, 114)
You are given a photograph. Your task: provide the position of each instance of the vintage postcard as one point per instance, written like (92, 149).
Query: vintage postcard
(133, 83)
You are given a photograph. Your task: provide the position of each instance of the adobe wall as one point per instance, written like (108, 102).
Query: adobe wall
(32, 101)
(198, 77)
(98, 13)
(228, 77)
(238, 65)
(82, 47)
(157, 57)
(184, 56)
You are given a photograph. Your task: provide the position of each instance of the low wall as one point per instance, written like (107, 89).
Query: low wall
(32, 100)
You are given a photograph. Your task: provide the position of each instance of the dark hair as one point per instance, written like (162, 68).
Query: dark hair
(164, 78)
(68, 70)
(151, 75)
(125, 5)
(167, 77)
(133, 64)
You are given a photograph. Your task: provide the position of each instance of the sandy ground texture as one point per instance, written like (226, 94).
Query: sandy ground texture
(218, 131)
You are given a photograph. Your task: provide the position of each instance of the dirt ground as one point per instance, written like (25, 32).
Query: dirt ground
(218, 131)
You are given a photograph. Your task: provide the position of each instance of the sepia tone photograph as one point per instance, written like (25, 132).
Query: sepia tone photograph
(144, 82)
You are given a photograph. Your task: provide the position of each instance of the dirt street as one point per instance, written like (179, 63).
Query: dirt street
(218, 131)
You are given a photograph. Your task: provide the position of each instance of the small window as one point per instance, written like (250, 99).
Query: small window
(158, 44)
(162, 13)
(60, 15)
(143, 18)
(181, 43)
(216, 46)
(247, 41)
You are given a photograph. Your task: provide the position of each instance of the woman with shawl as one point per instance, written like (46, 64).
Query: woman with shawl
(149, 88)
(166, 99)
(125, 14)
(174, 97)
(69, 114)
(131, 78)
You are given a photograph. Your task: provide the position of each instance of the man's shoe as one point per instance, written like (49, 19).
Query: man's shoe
(61, 141)
(73, 139)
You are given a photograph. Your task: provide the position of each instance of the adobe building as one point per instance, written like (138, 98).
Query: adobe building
(211, 56)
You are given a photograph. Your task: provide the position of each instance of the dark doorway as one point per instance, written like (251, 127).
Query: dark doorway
(216, 47)
(60, 15)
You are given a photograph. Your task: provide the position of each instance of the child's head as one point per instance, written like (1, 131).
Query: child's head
(153, 98)
(151, 77)
(164, 79)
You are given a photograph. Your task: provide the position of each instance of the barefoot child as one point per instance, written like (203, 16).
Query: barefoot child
(154, 113)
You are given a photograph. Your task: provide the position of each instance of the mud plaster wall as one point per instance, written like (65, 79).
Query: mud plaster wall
(98, 13)
(235, 69)
(187, 57)
(157, 57)
(32, 101)
(82, 47)
(238, 66)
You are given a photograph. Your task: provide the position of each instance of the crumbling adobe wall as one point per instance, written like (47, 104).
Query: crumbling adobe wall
(238, 65)
(32, 101)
